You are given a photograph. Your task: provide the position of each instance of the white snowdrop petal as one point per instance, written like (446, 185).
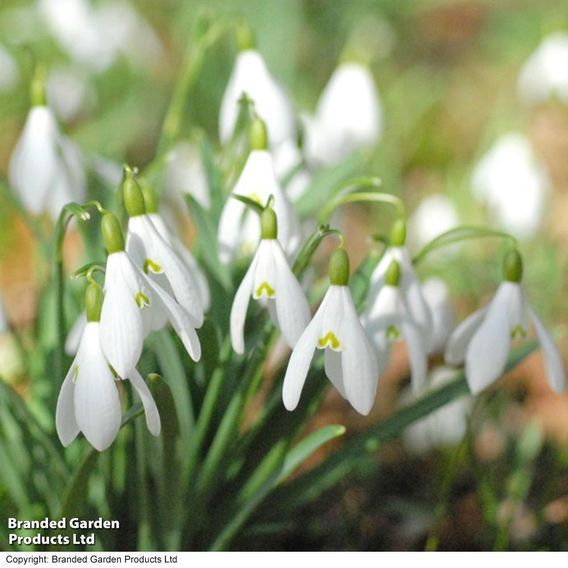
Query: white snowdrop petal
(334, 370)
(65, 422)
(461, 336)
(229, 229)
(555, 372)
(417, 355)
(150, 409)
(300, 360)
(487, 353)
(75, 333)
(360, 369)
(332, 319)
(264, 285)
(291, 304)
(197, 272)
(239, 308)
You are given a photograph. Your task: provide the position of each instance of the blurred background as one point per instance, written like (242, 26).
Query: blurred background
(474, 131)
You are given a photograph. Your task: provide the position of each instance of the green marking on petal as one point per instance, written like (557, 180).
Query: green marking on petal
(518, 331)
(149, 264)
(393, 333)
(331, 339)
(267, 288)
(142, 300)
(76, 374)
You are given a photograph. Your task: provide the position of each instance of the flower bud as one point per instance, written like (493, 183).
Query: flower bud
(112, 233)
(258, 135)
(513, 266)
(93, 301)
(393, 274)
(339, 268)
(133, 196)
(398, 233)
(150, 197)
(268, 224)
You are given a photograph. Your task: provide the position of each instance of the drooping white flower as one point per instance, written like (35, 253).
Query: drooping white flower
(89, 400)
(514, 185)
(250, 76)
(350, 363)
(545, 73)
(484, 339)
(270, 281)
(410, 287)
(348, 116)
(388, 319)
(46, 168)
(443, 314)
(134, 305)
(444, 427)
(435, 215)
(68, 92)
(8, 71)
(238, 229)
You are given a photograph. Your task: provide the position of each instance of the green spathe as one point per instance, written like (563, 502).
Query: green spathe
(339, 268)
(112, 233)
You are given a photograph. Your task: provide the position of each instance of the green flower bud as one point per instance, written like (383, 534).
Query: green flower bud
(112, 233)
(393, 274)
(258, 135)
(268, 224)
(37, 88)
(150, 197)
(339, 268)
(133, 196)
(245, 37)
(93, 301)
(398, 233)
(513, 266)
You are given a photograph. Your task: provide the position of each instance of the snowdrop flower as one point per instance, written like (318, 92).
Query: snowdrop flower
(270, 280)
(134, 305)
(350, 363)
(68, 92)
(435, 215)
(388, 319)
(513, 183)
(443, 314)
(446, 426)
(238, 230)
(545, 73)
(157, 258)
(251, 77)
(410, 287)
(348, 116)
(89, 400)
(46, 168)
(483, 340)
(8, 71)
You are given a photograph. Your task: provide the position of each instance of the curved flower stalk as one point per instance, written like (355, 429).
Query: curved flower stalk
(251, 76)
(238, 230)
(348, 116)
(545, 73)
(388, 319)
(350, 363)
(134, 305)
(513, 183)
(46, 168)
(410, 288)
(484, 339)
(89, 400)
(270, 281)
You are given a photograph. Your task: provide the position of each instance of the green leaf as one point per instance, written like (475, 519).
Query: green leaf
(250, 203)
(455, 236)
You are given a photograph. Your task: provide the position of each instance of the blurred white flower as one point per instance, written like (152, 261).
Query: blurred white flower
(446, 426)
(238, 228)
(435, 215)
(290, 169)
(270, 281)
(9, 73)
(89, 401)
(350, 363)
(484, 339)
(443, 314)
(388, 319)
(68, 92)
(514, 185)
(348, 116)
(46, 168)
(4, 327)
(251, 76)
(185, 174)
(545, 73)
